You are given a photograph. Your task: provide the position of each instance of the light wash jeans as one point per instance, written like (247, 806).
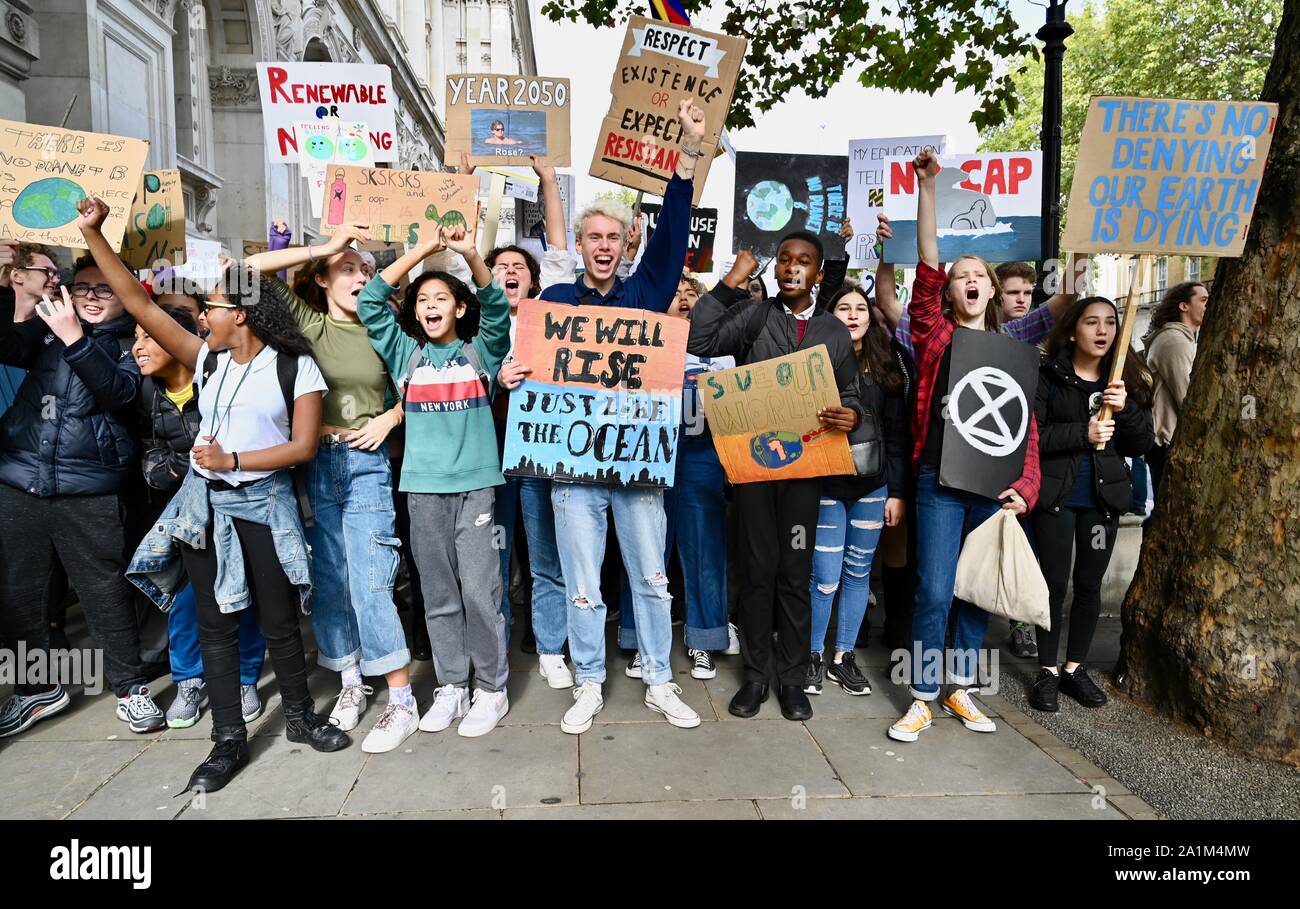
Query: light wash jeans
(847, 533)
(354, 553)
(550, 606)
(581, 513)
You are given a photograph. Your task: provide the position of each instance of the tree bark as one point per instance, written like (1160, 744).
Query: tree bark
(1212, 619)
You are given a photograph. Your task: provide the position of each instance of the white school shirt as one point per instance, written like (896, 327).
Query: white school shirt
(258, 418)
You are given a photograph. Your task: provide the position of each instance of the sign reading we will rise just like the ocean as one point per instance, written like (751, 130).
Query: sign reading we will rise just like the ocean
(603, 402)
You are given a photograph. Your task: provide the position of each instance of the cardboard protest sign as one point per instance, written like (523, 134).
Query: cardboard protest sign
(778, 193)
(325, 142)
(764, 418)
(991, 390)
(867, 187)
(530, 218)
(352, 92)
(661, 63)
(45, 171)
(603, 404)
(399, 205)
(156, 226)
(987, 205)
(496, 118)
(704, 231)
(1168, 176)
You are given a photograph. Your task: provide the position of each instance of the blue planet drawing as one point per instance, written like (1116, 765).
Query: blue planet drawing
(352, 148)
(48, 203)
(770, 205)
(776, 449)
(320, 147)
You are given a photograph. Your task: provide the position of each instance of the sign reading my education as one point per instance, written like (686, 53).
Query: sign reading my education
(1168, 175)
(45, 171)
(292, 92)
(498, 119)
(764, 418)
(991, 390)
(603, 404)
(661, 63)
(704, 233)
(867, 187)
(400, 206)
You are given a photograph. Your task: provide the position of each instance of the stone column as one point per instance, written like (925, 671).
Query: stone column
(19, 49)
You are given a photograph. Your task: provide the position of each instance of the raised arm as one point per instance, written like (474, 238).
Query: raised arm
(886, 293)
(274, 260)
(926, 166)
(170, 336)
(557, 234)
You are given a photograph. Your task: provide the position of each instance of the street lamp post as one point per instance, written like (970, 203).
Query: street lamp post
(1053, 35)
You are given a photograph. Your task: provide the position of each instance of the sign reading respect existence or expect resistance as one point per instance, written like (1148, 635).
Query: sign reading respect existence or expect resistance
(498, 119)
(1167, 175)
(292, 92)
(764, 418)
(603, 403)
(640, 139)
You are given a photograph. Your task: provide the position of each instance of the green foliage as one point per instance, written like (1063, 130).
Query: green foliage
(810, 44)
(1198, 49)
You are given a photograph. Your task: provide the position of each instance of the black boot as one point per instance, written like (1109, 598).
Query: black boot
(794, 703)
(899, 603)
(227, 758)
(1043, 696)
(304, 725)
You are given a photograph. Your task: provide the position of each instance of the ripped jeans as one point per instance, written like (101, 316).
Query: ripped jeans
(847, 533)
(581, 513)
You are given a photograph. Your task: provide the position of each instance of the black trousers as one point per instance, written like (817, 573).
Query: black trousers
(275, 604)
(85, 534)
(778, 529)
(1090, 534)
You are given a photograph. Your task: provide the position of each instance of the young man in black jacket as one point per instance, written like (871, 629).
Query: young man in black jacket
(67, 449)
(778, 519)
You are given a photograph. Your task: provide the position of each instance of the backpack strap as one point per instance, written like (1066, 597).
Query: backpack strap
(209, 365)
(286, 371)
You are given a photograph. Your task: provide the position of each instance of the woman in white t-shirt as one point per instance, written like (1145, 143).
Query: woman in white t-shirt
(245, 447)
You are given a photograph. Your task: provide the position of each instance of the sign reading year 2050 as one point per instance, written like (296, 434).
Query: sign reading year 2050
(495, 119)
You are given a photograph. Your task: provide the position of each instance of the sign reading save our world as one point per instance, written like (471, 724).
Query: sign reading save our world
(1168, 175)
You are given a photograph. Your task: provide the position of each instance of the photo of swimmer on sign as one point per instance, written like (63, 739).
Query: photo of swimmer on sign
(603, 401)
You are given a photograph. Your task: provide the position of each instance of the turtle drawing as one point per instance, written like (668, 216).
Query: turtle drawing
(450, 220)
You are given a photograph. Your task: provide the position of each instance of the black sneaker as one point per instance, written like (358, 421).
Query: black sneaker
(1083, 689)
(812, 680)
(847, 675)
(1022, 642)
(19, 711)
(1042, 696)
(228, 756)
(702, 664)
(304, 726)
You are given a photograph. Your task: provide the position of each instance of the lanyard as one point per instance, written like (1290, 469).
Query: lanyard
(216, 404)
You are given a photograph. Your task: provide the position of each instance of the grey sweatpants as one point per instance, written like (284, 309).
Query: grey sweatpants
(460, 573)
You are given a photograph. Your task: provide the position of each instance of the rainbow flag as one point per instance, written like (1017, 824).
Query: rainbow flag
(669, 11)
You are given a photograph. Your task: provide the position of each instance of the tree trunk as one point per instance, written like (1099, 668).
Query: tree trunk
(1212, 620)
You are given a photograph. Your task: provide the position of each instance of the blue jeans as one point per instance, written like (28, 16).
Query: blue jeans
(183, 642)
(550, 606)
(943, 518)
(505, 510)
(354, 561)
(581, 515)
(695, 511)
(847, 533)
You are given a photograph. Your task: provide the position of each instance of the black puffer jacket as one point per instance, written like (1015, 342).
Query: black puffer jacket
(894, 413)
(1063, 412)
(71, 429)
(166, 436)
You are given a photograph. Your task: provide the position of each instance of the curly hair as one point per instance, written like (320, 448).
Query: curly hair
(466, 325)
(266, 312)
(877, 354)
(534, 269)
(1138, 381)
(25, 254)
(1168, 309)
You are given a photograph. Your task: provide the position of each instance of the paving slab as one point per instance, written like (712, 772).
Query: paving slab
(48, 780)
(943, 808)
(151, 787)
(649, 762)
(725, 810)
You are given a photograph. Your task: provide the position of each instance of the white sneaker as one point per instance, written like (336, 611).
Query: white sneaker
(587, 702)
(733, 640)
(485, 711)
(449, 703)
(553, 669)
(393, 727)
(663, 699)
(350, 705)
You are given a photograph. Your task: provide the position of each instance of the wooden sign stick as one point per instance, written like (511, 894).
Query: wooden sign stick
(68, 113)
(495, 195)
(1138, 282)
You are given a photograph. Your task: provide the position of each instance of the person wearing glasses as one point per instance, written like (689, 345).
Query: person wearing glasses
(30, 271)
(499, 137)
(67, 451)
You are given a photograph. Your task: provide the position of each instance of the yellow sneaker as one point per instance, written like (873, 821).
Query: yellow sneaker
(960, 705)
(911, 724)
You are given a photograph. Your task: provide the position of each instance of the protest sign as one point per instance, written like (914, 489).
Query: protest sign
(866, 196)
(985, 205)
(640, 139)
(156, 226)
(530, 218)
(519, 184)
(398, 205)
(778, 193)
(325, 142)
(991, 390)
(603, 404)
(764, 418)
(1168, 175)
(495, 118)
(45, 171)
(202, 265)
(352, 92)
(704, 231)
